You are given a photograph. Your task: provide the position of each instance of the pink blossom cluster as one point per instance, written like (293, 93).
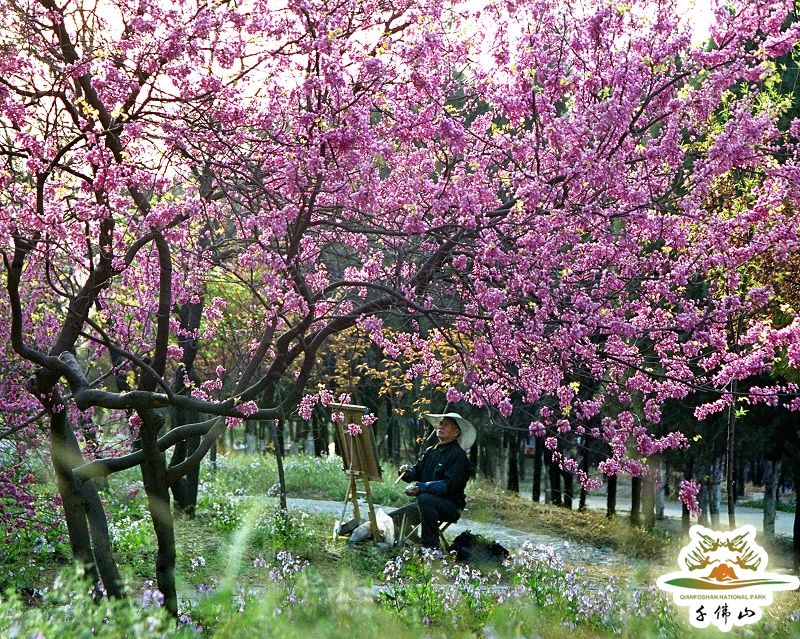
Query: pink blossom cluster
(353, 429)
(247, 408)
(16, 498)
(687, 493)
(369, 419)
(323, 397)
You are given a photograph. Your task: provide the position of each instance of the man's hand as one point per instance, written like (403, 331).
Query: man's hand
(412, 491)
(404, 469)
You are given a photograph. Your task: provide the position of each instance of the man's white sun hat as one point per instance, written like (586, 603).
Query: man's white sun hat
(468, 433)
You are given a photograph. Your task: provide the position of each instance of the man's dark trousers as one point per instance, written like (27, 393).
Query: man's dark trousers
(429, 510)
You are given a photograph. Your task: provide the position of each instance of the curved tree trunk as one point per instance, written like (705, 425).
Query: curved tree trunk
(185, 489)
(71, 499)
(83, 511)
(154, 477)
(740, 475)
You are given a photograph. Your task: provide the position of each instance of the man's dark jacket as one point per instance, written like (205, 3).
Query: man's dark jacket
(443, 470)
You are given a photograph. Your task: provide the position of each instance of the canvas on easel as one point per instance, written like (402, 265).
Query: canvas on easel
(360, 460)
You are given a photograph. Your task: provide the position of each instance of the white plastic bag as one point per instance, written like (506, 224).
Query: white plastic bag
(385, 529)
(385, 526)
(364, 531)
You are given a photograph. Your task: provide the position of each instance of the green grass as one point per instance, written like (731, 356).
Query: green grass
(488, 503)
(306, 477)
(233, 549)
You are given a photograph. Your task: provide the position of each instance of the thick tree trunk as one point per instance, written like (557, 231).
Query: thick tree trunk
(180, 489)
(636, 501)
(192, 478)
(611, 496)
(184, 490)
(71, 500)
(101, 541)
(758, 473)
(538, 461)
(83, 511)
(771, 474)
(154, 477)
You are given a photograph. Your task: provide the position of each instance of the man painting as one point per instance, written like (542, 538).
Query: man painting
(439, 479)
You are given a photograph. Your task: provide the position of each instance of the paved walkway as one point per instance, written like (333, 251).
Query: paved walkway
(572, 553)
(784, 522)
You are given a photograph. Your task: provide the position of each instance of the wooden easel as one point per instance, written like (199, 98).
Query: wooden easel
(360, 457)
(352, 497)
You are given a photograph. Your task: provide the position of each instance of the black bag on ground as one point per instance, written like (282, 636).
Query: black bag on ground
(474, 548)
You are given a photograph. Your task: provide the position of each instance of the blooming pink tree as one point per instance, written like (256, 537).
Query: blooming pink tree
(151, 149)
(616, 269)
(540, 204)
(88, 95)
